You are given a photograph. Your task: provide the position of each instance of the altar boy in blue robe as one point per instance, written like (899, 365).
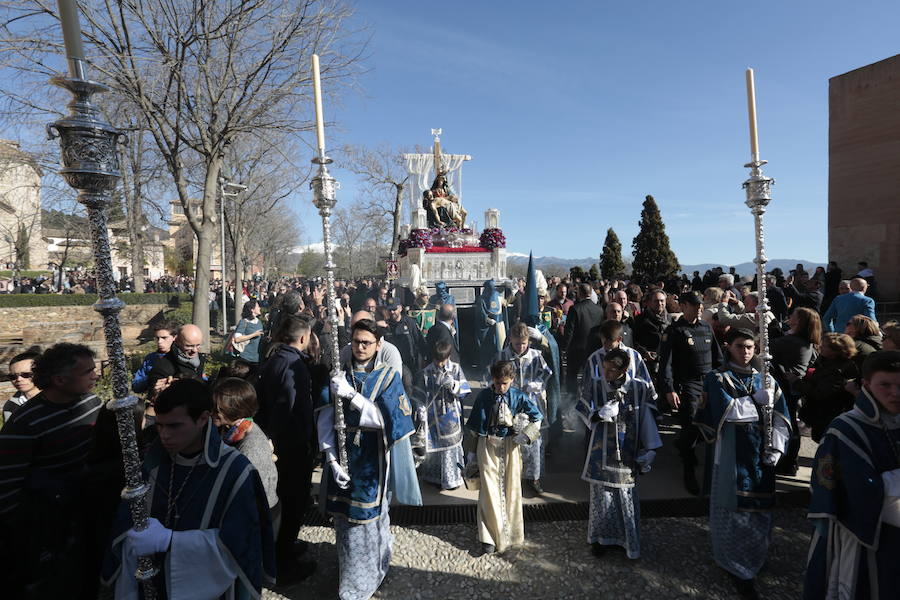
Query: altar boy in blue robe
(440, 388)
(616, 408)
(209, 528)
(377, 414)
(731, 416)
(855, 504)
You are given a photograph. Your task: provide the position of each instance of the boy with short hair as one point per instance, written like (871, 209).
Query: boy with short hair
(163, 334)
(503, 418)
(531, 376)
(731, 415)
(208, 509)
(440, 388)
(855, 503)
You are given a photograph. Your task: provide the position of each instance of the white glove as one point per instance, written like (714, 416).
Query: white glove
(491, 321)
(341, 478)
(891, 481)
(341, 387)
(451, 386)
(357, 401)
(608, 411)
(534, 387)
(522, 439)
(770, 457)
(764, 396)
(152, 540)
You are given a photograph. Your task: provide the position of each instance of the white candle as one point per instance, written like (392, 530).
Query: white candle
(68, 17)
(751, 112)
(317, 90)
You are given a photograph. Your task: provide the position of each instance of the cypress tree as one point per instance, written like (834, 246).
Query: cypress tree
(611, 264)
(594, 274)
(653, 259)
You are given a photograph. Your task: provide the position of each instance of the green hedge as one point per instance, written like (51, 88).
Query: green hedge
(17, 300)
(26, 273)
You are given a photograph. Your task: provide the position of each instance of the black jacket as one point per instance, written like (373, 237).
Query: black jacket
(648, 331)
(406, 336)
(285, 396)
(439, 331)
(687, 353)
(582, 317)
(169, 366)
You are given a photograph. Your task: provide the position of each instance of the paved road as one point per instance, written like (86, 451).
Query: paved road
(437, 562)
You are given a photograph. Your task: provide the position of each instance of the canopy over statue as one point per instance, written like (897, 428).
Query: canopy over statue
(425, 169)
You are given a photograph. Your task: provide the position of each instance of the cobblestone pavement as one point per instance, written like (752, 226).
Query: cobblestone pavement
(555, 562)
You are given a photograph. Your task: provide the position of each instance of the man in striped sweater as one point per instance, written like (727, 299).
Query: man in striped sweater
(43, 471)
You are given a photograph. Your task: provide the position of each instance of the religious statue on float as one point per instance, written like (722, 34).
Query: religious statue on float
(443, 208)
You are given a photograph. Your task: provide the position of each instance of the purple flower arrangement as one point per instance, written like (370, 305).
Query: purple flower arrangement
(418, 238)
(492, 237)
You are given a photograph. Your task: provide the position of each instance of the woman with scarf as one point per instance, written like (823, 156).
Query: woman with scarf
(235, 405)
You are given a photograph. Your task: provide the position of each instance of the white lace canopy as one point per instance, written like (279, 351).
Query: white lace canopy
(421, 167)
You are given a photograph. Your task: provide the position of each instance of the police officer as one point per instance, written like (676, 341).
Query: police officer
(687, 353)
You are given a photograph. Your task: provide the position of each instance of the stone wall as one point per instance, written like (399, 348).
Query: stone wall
(21, 328)
(43, 326)
(864, 173)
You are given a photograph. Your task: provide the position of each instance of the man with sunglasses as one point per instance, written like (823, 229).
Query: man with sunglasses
(21, 375)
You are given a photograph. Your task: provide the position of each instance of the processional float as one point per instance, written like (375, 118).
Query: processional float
(90, 164)
(758, 188)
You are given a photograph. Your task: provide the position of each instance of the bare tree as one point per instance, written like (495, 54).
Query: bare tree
(270, 177)
(204, 75)
(385, 177)
(350, 231)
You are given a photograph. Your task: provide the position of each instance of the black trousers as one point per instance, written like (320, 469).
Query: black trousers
(689, 394)
(295, 465)
(789, 459)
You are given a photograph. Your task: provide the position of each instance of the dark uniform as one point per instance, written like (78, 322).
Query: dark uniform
(688, 352)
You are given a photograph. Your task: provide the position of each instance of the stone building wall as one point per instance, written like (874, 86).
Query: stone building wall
(20, 206)
(864, 172)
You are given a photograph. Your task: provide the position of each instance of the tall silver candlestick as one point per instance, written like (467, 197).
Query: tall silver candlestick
(91, 165)
(324, 188)
(758, 189)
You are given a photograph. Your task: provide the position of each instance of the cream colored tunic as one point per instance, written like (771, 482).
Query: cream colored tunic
(500, 520)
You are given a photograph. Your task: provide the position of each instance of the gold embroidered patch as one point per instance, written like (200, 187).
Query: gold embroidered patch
(405, 407)
(825, 472)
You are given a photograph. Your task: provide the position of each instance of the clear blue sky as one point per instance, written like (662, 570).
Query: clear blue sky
(573, 112)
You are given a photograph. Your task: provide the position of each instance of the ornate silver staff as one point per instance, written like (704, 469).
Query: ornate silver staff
(324, 188)
(758, 189)
(91, 166)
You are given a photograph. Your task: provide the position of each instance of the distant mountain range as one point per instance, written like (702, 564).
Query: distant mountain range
(554, 263)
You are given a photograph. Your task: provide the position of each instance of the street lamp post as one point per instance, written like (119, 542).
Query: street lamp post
(224, 186)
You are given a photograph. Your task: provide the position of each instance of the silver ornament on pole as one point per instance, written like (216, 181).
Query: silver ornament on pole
(90, 164)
